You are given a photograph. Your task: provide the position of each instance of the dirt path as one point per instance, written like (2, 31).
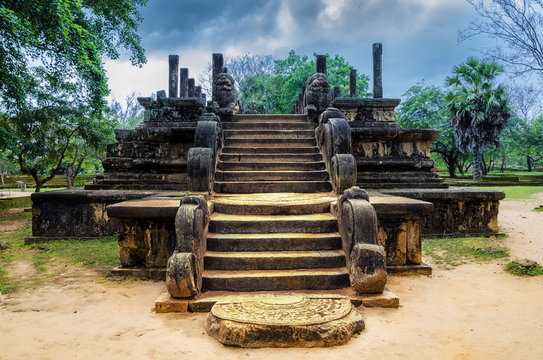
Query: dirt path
(476, 311)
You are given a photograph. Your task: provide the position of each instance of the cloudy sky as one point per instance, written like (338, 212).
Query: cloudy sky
(419, 37)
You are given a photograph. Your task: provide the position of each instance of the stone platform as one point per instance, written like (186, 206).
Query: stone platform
(284, 321)
(203, 302)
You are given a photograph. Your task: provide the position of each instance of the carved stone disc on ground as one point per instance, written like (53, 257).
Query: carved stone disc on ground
(284, 321)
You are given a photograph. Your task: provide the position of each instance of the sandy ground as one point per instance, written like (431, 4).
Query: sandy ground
(476, 311)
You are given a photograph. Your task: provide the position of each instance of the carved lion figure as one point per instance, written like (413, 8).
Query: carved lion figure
(226, 97)
(317, 95)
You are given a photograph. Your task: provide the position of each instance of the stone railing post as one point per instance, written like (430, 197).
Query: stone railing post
(185, 266)
(334, 139)
(366, 259)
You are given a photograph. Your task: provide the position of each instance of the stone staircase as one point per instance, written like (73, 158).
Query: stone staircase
(264, 251)
(268, 236)
(270, 153)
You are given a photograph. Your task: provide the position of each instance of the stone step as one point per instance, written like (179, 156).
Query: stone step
(268, 125)
(274, 166)
(268, 207)
(269, 280)
(249, 187)
(265, 224)
(262, 134)
(273, 260)
(273, 242)
(270, 117)
(271, 142)
(243, 157)
(251, 149)
(283, 175)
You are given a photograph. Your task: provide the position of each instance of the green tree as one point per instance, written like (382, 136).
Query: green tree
(478, 109)
(293, 72)
(256, 94)
(51, 132)
(424, 107)
(68, 41)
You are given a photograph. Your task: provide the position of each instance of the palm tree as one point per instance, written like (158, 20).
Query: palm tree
(478, 109)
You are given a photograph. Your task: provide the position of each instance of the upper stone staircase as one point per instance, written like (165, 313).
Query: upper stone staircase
(270, 153)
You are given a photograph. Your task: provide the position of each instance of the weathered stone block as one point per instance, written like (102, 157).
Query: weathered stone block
(368, 272)
(180, 275)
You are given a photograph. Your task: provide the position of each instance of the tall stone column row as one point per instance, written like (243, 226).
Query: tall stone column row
(179, 83)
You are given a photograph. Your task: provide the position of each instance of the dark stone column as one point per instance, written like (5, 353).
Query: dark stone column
(321, 64)
(217, 68)
(352, 83)
(198, 91)
(378, 70)
(173, 79)
(184, 82)
(337, 92)
(191, 88)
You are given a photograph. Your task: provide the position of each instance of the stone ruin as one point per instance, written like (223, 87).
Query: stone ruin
(275, 204)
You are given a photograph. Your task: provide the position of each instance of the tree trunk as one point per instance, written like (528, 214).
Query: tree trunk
(476, 163)
(529, 163)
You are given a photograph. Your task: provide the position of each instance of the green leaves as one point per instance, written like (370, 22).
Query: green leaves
(277, 93)
(69, 39)
(478, 109)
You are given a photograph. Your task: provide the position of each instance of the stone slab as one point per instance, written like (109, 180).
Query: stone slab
(284, 321)
(407, 270)
(165, 303)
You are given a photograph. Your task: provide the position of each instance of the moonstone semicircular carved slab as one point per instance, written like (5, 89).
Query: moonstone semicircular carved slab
(284, 321)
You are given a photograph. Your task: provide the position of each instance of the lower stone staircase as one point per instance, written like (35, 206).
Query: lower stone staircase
(265, 251)
(269, 236)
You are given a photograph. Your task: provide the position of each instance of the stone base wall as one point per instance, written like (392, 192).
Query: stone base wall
(457, 211)
(76, 213)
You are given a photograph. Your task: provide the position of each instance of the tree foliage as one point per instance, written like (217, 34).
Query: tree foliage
(478, 109)
(64, 42)
(424, 107)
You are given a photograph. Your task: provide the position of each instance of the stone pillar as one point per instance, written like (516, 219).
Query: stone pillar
(184, 82)
(217, 68)
(378, 70)
(337, 92)
(321, 64)
(191, 88)
(198, 91)
(352, 83)
(173, 79)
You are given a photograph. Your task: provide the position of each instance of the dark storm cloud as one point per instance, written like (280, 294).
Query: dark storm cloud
(169, 24)
(419, 36)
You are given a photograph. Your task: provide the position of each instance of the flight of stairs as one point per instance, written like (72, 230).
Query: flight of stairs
(272, 241)
(270, 153)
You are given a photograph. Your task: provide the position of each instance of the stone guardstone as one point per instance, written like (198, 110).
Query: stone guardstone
(284, 321)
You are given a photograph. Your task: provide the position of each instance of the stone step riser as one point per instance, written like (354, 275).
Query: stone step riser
(274, 244)
(267, 142)
(272, 226)
(275, 261)
(271, 175)
(268, 125)
(268, 134)
(266, 118)
(270, 157)
(248, 187)
(269, 150)
(273, 166)
(277, 283)
(270, 209)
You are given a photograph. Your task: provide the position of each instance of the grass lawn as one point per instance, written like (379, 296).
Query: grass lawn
(451, 252)
(515, 192)
(23, 266)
